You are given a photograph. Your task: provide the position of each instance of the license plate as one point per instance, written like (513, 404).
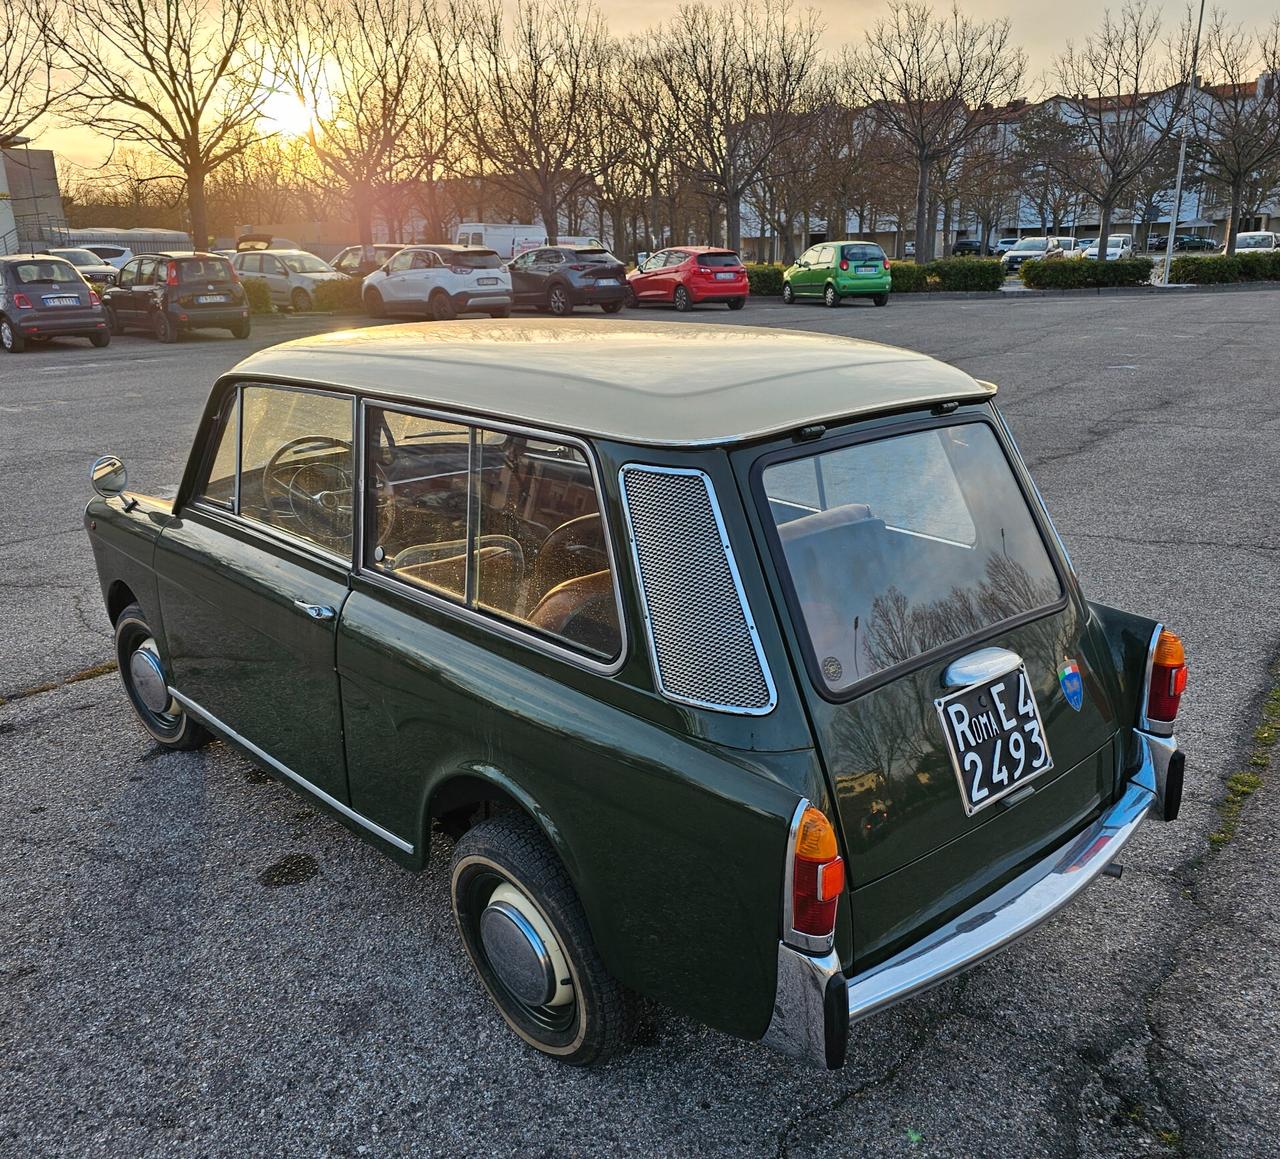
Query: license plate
(726, 277)
(487, 282)
(868, 269)
(995, 738)
(606, 281)
(206, 299)
(61, 300)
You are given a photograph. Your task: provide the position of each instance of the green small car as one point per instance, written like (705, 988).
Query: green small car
(836, 270)
(733, 669)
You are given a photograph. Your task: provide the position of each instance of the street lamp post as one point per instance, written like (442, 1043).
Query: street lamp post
(1182, 153)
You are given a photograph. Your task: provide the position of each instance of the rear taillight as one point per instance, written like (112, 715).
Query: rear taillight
(844, 265)
(885, 263)
(704, 269)
(579, 266)
(94, 300)
(22, 302)
(171, 274)
(817, 876)
(1168, 678)
(461, 270)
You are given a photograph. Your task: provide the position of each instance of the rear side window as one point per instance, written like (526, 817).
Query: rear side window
(39, 271)
(204, 270)
(863, 253)
(901, 545)
(723, 259)
(507, 525)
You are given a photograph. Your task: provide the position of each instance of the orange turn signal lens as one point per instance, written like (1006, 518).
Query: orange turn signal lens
(1169, 650)
(816, 840)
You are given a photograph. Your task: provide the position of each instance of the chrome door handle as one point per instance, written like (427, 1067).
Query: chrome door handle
(315, 611)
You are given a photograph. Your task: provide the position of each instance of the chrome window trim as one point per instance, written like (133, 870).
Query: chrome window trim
(508, 629)
(303, 547)
(808, 943)
(359, 818)
(731, 559)
(1156, 727)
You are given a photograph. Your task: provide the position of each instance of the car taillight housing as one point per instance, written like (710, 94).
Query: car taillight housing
(844, 263)
(22, 302)
(94, 300)
(1168, 678)
(171, 274)
(461, 270)
(816, 881)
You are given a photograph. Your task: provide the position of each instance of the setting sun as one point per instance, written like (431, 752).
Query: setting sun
(285, 114)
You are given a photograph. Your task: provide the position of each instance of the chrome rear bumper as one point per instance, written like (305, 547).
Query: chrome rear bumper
(815, 1003)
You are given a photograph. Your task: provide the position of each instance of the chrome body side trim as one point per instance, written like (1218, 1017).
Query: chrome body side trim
(266, 758)
(1156, 727)
(979, 667)
(1016, 909)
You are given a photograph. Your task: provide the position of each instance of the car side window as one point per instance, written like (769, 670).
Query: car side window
(221, 485)
(826, 255)
(146, 272)
(273, 265)
(553, 257)
(128, 274)
(296, 471)
(809, 256)
(421, 261)
(251, 263)
(656, 262)
(401, 261)
(507, 525)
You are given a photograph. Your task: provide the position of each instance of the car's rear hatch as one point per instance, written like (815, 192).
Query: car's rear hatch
(719, 271)
(481, 269)
(204, 284)
(904, 556)
(597, 266)
(56, 292)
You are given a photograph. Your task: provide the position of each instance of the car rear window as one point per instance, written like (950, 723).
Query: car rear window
(41, 270)
(473, 259)
(719, 259)
(866, 253)
(901, 545)
(594, 256)
(204, 270)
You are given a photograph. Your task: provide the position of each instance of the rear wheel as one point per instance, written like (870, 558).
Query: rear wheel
(558, 301)
(113, 321)
(373, 304)
(505, 312)
(611, 307)
(524, 929)
(829, 296)
(300, 301)
(737, 303)
(164, 328)
(788, 294)
(146, 682)
(10, 339)
(682, 300)
(100, 338)
(240, 329)
(880, 299)
(442, 308)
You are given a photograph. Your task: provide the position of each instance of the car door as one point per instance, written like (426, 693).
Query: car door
(394, 287)
(549, 265)
(417, 282)
(924, 587)
(142, 296)
(119, 298)
(522, 279)
(648, 277)
(252, 574)
(277, 278)
(802, 279)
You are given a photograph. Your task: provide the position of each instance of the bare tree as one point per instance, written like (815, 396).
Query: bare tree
(934, 83)
(1127, 92)
(532, 91)
(734, 77)
(1237, 113)
(26, 66)
(176, 76)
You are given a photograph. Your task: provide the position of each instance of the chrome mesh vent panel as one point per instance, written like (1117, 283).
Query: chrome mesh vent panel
(704, 643)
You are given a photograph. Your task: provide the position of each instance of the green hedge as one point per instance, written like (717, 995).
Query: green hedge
(765, 280)
(1259, 266)
(255, 289)
(339, 297)
(1082, 274)
(908, 278)
(966, 273)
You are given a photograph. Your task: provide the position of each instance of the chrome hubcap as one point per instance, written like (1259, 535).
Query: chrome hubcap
(522, 950)
(147, 674)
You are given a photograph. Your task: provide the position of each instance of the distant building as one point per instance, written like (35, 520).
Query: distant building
(30, 200)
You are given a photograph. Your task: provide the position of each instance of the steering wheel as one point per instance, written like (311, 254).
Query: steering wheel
(315, 495)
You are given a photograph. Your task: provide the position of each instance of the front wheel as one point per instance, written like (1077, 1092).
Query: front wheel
(10, 339)
(682, 300)
(737, 303)
(630, 299)
(525, 931)
(830, 297)
(147, 684)
(240, 329)
(373, 304)
(880, 299)
(100, 338)
(611, 307)
(788, 294)
(300, 301)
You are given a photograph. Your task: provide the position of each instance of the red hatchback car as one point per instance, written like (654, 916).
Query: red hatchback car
(686, 276)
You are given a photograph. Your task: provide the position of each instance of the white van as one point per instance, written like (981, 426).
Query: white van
(510, 241)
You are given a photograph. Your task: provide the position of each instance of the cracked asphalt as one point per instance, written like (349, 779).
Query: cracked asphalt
(196, 962)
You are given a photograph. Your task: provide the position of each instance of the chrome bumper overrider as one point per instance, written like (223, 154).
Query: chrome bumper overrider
(815, 1003)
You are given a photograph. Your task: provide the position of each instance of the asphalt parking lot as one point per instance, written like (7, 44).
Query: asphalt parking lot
(167, 986)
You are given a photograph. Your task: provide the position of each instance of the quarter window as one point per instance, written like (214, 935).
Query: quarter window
(506, 524)
(221, 488)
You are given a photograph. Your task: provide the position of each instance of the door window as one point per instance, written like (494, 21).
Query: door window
(826, 255)
(250, 263)
(146, 272)
(128, 275)
(422, 261)
(507, 525)
(401, 261)
(901, 545)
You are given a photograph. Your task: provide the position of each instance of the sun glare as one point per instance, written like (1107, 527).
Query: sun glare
(284, 113)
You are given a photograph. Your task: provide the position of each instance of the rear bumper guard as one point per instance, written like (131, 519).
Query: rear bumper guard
(815, 1003)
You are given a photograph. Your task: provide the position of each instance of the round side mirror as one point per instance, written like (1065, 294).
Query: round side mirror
(108, 476)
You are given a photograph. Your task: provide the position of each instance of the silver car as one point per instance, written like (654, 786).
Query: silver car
(291, 275)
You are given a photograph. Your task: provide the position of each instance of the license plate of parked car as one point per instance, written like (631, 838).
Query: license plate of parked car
(205, 299)
(726, 277)
(488, 281)
(606, 281)
(62, 300)
(868, 269)
(995, 738)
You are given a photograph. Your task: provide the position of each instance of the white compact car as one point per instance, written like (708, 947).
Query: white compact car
(1119, 245)
(291, 275)
(1255, 240)
(440, 282)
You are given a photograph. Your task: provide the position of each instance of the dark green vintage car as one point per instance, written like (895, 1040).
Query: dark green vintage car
(744, 669)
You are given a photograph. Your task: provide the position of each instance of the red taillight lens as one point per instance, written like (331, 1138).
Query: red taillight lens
(579, 267)
(94, 300)
(461, 270)
(171, 274)
(704, 269)
(22, 302)
(1168, 678)
(844, 265)
(885, 263)
(817, 878)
